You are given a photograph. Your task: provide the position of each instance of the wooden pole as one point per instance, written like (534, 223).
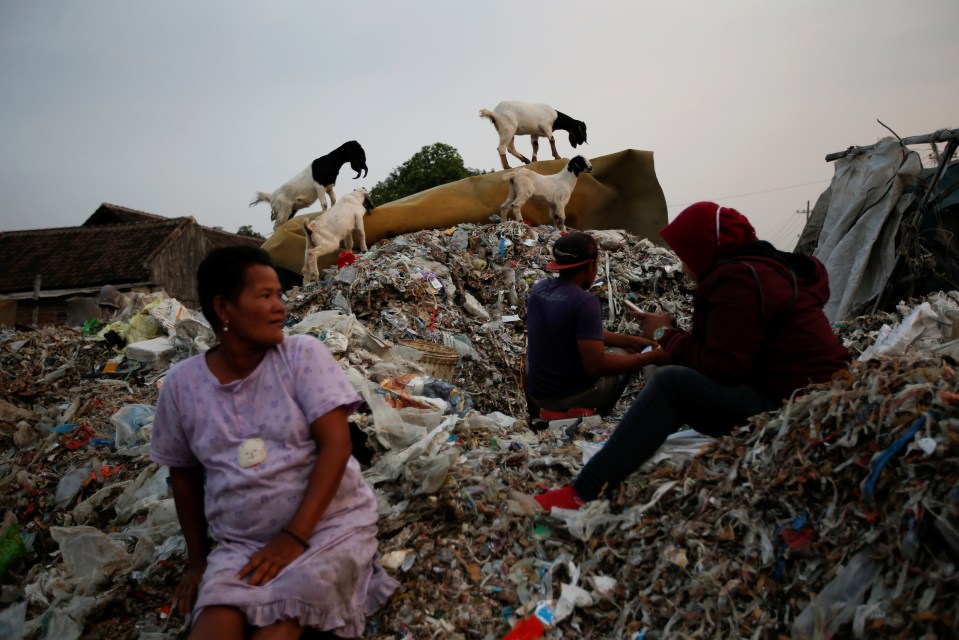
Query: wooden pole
(942, 135)
(36, 300)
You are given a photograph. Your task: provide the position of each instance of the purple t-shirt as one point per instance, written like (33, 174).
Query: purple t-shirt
(558, 314)
(201, 421)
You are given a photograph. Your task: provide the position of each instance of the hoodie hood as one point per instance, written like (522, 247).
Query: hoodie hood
(705, 233)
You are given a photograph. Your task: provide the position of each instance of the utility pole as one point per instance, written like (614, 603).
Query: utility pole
(807, 212)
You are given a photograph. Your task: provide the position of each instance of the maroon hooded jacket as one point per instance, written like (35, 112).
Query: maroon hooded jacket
(751, 324)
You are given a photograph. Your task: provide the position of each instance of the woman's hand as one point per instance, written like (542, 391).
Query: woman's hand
(649, 322)
(639, 343)
(265, 564)
(186, 591)
(659, 357)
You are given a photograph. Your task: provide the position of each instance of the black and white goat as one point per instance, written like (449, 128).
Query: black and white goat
(554, 190)
(522, 118)
(341, 223)
(314, 182)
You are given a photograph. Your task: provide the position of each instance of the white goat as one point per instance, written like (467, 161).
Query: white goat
(554, 190)
(341, 223)
(313, 183)
(522, 118)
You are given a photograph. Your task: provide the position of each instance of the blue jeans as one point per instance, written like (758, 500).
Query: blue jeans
(675, 396)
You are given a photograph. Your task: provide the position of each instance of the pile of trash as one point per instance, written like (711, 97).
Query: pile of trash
(465, 289)
(836, 514)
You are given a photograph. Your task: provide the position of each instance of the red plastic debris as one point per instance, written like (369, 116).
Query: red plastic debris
(798, 539)
(526, 629)
(83, 436)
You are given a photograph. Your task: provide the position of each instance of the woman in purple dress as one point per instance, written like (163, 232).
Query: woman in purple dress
(279, 524)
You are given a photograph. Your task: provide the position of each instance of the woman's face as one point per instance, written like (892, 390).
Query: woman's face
(258, 313)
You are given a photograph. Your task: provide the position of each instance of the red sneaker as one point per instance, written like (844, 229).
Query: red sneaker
(565, 498)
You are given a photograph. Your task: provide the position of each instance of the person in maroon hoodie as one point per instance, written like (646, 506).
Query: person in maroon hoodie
(758, 334)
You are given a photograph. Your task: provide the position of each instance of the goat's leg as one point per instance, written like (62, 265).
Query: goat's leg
(505, 139)
(320, 195)
(558, 213)
(511, 147)
(306, 263)
(502, 156)
(552, 145)
(329, 190)
(311, 270)
(283, 213)
(516, 208)
(508, 203)
(360, 233)
(504, 210)
(535, 141)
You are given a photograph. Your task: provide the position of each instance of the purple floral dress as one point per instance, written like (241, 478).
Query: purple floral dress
(252, 437)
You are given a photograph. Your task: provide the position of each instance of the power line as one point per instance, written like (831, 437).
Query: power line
(789, 231)
(754, 193)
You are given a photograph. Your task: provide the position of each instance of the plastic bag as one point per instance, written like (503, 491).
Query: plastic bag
(70, 485)
(148, 489)
(13, 621)
(836, 603)
(473, 307)
(91, 558)
(134, 425)
(168, 312)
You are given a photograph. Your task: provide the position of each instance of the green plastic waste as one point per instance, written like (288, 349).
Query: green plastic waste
(92, 327)
(12, 548)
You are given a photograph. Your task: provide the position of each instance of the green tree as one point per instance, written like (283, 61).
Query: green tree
(431, 166)
(247, 230)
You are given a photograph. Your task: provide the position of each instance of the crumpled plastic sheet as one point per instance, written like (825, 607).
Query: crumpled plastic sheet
(931, 326)
(734, 537)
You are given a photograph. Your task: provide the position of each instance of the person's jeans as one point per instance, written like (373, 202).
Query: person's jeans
(675, 396)
(602, 396)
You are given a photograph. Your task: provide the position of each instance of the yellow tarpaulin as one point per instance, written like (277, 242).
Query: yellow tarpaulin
(622, 192)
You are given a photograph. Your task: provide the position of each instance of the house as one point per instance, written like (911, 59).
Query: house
(45, 272)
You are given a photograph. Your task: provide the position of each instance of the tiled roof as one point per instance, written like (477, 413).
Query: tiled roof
(73, 257)
(219, 238)
(108, 213)
(115, 214)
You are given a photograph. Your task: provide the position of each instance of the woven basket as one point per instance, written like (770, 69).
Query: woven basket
(438, 360)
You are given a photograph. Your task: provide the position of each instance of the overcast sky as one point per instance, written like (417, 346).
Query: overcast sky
(188, 108)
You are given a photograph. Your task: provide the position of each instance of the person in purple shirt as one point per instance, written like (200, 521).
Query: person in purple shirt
(256, 437)
(571, 361)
